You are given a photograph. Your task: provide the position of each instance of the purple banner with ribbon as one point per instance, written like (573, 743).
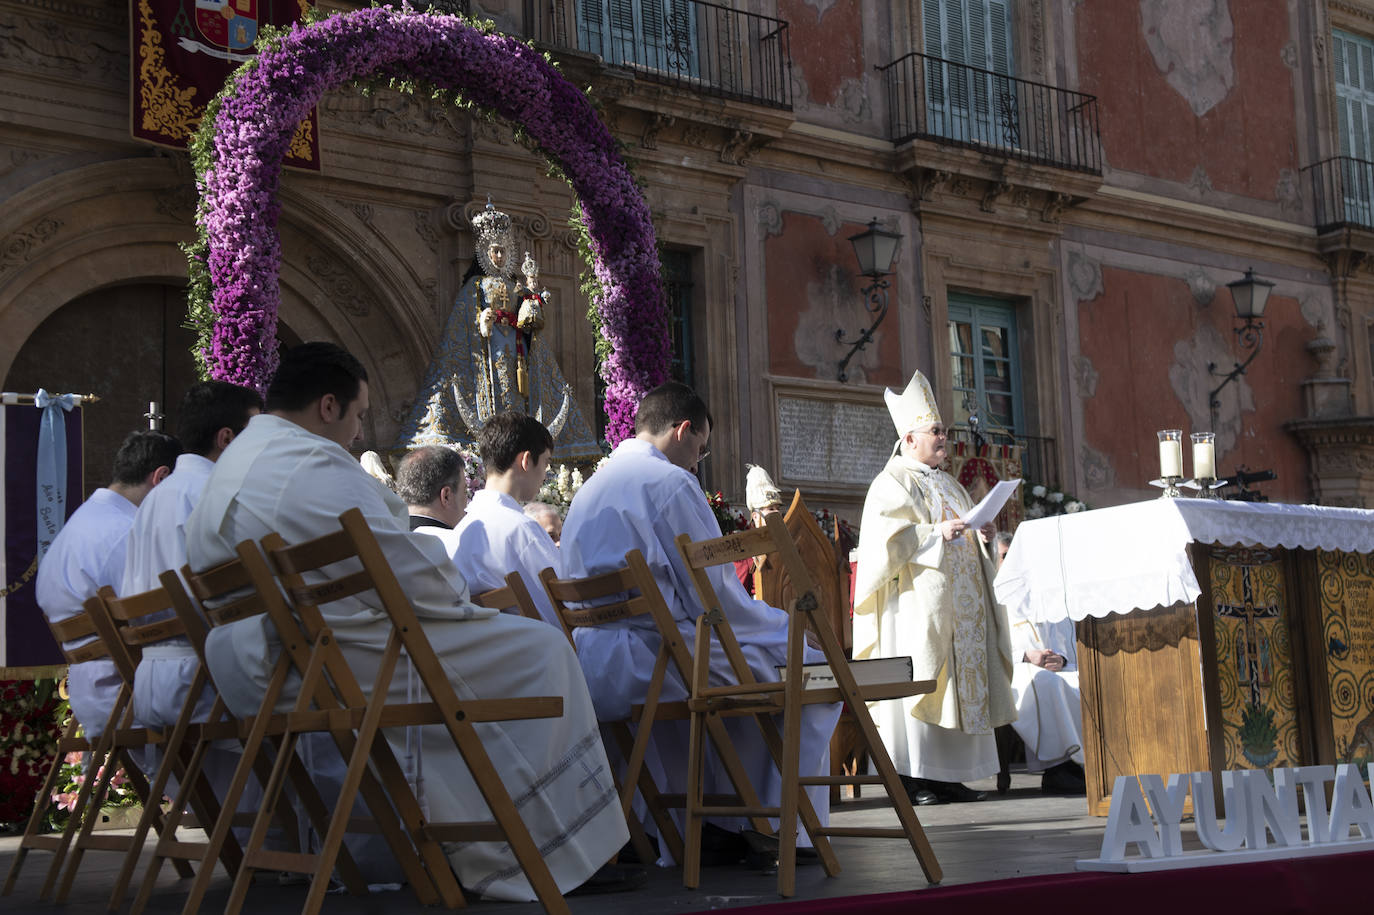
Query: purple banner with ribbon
(25, 641)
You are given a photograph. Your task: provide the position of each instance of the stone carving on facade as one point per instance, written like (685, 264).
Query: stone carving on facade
(1199, 182)
(769, 217)
(1035, 12)
(696, 134)
(736, 148)
(1289, 55)
(424, 227)
(831, 303)
(1314, 310)
(60, 48)
(1085, 276)
(932, 179)
(853, 101)
(1191, 42)
(994, 192)
(1021, 197)
(961, 186)
(1098, 473)
(395, 112)
(1085, 377)
(338, 282)
(1055, 204)
(649, 138)
(1191, 378)
(20, 247)
(177, 203)
(1288, 192)
(1202, 286)
(363, 211)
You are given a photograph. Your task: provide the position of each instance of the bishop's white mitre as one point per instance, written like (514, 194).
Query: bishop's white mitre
(914, 408)
(759, 489)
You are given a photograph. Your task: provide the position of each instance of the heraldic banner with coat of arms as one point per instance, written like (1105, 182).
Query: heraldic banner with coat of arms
(183, 50)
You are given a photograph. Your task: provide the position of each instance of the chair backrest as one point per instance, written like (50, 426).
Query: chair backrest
(124, 657)
(818, 552)
(512, 594)
(79, 626)
(772, 538)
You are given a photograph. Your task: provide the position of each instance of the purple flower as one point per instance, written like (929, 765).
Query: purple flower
(239, 154)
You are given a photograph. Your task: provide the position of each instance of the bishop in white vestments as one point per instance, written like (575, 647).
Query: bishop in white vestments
(279, 475)
(924, 588)
(642, 498)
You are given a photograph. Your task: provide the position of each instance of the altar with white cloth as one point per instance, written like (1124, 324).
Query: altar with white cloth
(1212, 635)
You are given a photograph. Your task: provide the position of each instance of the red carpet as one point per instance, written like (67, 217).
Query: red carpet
(1319, 884)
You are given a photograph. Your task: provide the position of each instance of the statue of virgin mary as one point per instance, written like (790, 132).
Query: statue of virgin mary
(491, 357)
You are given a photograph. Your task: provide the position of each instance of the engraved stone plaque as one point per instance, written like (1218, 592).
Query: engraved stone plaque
(832, 441)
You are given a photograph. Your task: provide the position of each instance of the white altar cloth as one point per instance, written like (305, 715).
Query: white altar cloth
(1135, 557)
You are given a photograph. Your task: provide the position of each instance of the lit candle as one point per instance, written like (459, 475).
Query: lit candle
(1170, 453)
(1204, 456)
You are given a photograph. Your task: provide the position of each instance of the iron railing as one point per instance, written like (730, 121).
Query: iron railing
(951, 103)
(1039, 454)
(713, 50)
(1342, 193)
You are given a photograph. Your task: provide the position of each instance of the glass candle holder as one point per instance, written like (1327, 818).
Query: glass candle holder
(1204, 455)
(1170, 454)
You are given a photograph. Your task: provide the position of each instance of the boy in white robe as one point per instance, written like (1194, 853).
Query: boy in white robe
(89, 552)
(924, 588)
(496, 537)
(290, 472)
(642, 498)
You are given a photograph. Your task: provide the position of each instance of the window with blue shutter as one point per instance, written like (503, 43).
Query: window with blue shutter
(653, 34)
(985, 362)
(968, 44)
(1352, 59)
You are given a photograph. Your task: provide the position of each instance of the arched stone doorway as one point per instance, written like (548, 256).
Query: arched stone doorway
(124, 343)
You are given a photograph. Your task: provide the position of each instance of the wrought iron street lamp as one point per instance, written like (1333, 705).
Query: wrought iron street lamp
(1250, 295)
(874, 247)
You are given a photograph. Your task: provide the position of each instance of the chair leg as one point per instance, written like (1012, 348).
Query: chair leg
(42, 804)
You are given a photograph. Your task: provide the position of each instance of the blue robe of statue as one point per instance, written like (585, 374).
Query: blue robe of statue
(473, 377)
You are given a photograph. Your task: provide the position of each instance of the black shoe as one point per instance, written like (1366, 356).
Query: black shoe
(763, 851)
(924, 798)
(612, 878)
(720, 847)
(1065, 778)
(952, 792)
(628, 855)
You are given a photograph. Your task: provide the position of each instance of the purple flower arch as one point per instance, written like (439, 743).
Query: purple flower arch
(247, 133)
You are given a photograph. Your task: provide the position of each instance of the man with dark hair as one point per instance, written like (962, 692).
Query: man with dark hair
(212, 414)
(290, 472)
(88, 553)
(496, 537)
(430, 481)
(642, 498)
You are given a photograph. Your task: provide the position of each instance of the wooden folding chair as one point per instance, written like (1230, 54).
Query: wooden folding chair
(512, 594)
(805, 612)
(98, 756)
(619, 596)
(121, 739)
(127, 625)
(228, 594)
(362, 718)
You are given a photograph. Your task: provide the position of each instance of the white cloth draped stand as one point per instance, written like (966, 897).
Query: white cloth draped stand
(1135, 557)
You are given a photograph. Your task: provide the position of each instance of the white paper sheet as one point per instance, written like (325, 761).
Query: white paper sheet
(986, 510)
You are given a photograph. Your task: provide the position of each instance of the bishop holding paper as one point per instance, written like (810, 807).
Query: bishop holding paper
(924, 588)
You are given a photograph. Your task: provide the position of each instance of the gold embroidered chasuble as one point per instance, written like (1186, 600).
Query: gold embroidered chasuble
(919, 595)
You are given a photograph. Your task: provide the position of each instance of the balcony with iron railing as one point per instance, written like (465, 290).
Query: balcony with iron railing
(1039, 454)
(953, 104)
(1342, 193)
(711, 49)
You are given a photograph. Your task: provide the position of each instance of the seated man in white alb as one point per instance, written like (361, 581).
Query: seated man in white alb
(496, 537)
(290, 472)
(1049, 708)
(642, 498)
(431, 482)
(88, 553)
(211, 414)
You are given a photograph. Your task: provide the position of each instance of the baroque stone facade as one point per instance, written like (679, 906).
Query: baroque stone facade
(1107, 261)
